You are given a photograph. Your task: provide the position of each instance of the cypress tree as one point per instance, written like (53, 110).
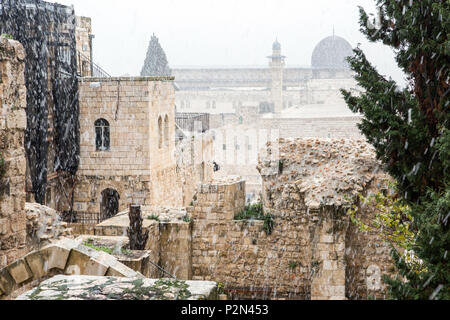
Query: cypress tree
(409, 129)
(156, 61)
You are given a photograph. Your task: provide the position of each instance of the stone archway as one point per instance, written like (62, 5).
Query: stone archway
(68, 257)
(109, 204)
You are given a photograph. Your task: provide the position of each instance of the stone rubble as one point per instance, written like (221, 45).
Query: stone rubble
(44, 224)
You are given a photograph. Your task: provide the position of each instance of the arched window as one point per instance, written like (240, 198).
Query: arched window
(213, 104)
(160, 132)
(208, 105)
(182, 104)
(166, 131)
(102, 141)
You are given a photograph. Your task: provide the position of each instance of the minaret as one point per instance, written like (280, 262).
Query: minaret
(277, 67)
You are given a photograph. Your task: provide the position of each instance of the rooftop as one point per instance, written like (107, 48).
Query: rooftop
(314, 111)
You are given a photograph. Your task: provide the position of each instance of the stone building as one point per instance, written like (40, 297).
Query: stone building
(273, 89)
(127, 149)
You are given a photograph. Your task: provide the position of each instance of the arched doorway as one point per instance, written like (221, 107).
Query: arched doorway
(109, 204)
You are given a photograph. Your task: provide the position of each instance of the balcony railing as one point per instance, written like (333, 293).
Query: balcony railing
(84, 68)
(193, 122)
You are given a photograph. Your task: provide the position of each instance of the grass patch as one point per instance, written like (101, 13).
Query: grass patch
(105, 249)
(7, 36)
(252, 212)
(153, 217)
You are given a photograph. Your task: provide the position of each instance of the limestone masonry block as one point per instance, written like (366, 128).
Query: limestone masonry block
(20, 271)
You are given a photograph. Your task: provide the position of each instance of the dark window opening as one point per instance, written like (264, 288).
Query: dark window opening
(109, 204)
(102, 140)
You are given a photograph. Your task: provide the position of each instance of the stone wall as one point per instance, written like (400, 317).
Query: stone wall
(194, 158)
(240, 253)
(44, 226)
(169, 241)
(175, 249)
(368, 258)
(322, 178)
(83, 31)
(12, 128)
(313, 251)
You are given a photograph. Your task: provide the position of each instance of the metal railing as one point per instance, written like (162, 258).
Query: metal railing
(84, 67)
(83, 218)
(193, 121)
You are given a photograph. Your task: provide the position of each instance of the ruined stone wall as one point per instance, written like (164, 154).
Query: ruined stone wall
(169, 242)
(367, 258)
(12, 152)
(44, 226)
(313, 251)
(237, 146)
(241, 255)
(324, 177)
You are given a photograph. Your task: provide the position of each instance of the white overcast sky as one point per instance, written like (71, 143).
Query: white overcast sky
(223, 32)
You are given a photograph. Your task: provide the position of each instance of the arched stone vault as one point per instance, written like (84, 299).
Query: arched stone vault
(66, 257)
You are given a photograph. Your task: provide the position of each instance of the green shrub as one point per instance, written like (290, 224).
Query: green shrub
(256, 212)
(7, 36)
(153, 217)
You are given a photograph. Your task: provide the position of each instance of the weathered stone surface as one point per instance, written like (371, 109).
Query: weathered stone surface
(12, 127)
(112, 288)
(67, 256)
(313, 251)
(37, 261)
(7, 283)
(80, 262)
(44, 225)
(20, 271)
